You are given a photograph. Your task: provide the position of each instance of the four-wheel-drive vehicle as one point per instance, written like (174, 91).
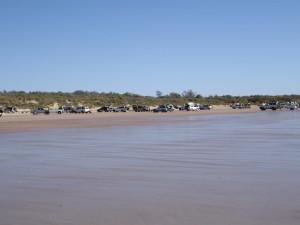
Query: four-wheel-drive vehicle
(10, 109)
(82, 109)
(120, 109)
(41, 110)
(235, 105)
(190, 106)
(240, 106)
(272, 105)
(140, 108)
(60, 110)
(105, 109)
(205, 107)
(68, 109)
(170, 107)
(291, 105)
(161, 108)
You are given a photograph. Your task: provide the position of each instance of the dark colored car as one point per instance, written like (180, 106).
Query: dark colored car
(105, 109)
(40, 110)
(161, 108)
(141, 108)
(205, 107)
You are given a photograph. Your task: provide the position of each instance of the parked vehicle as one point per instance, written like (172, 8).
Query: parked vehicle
(105, 109)
(161, 108)
(181, 108)
(82, 109)
(291, 105)
(177, 107)
(170, 107)
(10, 109)
(60, 110)
(140, 108)
(272, 105)
(240, 106)
(190, 106)
(41, 110)
(205, 107)
(120, 109)
(68, 109)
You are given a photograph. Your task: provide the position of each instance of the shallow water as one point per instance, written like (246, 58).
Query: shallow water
(194, 170)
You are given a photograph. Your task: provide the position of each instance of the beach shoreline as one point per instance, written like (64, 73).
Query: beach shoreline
(23, 122)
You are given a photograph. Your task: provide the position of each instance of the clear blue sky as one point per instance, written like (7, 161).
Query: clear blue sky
(213, 47)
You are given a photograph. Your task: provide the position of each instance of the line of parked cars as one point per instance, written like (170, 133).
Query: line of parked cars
(163, 108)
(136, 108)
(275, 105)
(291, 105)
(61, 110)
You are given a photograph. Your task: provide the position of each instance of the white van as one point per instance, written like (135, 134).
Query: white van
(191, 106)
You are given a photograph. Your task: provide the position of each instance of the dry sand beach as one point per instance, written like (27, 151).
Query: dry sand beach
(28, 121)
(208, 168)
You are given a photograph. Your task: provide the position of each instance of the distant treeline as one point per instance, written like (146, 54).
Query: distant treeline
(23, 99)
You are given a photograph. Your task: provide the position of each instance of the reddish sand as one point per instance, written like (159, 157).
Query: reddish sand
(9, 122)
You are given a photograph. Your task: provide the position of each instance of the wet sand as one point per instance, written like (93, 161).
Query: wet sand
(17, 122)
(237, 169)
